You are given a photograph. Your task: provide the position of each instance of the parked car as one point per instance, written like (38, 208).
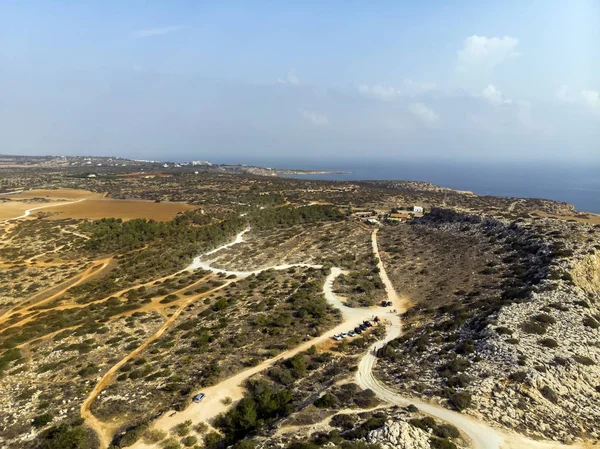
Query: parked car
(337, 337)
(383, 303)
(351, 334)
(198, 397)
(344, 334)
(367, 323)
(358, 330)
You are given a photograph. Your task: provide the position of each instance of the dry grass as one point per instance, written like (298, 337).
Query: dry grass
(12, 209)
(125, 209)
(583, 217)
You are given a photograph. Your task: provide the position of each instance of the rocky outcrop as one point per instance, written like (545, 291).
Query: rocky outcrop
(399, 435)
(532, 361)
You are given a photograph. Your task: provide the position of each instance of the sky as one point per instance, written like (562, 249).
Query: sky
(241, 81)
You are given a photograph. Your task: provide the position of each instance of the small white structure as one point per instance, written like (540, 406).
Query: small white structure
(418, 209)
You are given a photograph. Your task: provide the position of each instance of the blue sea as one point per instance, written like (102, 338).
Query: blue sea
(577, 184)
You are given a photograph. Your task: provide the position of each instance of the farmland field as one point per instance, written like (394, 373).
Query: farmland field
(125, 209)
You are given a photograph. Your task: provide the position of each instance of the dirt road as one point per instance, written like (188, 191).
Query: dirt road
(481, 435)
(213, 403)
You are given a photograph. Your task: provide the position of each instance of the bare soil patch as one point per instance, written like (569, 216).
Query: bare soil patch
(12, 209)
(125, 209)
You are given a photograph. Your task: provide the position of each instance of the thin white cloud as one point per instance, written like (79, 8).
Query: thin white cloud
(486, 52)
(314, 117)
(417, 87)
(591, 98)
(385, 93)
(564, 94)
(151, 32)
(423, 113)
(588, 98)
(492, 95)
(291, 78)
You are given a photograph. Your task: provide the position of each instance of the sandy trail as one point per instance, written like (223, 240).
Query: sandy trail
(29, 211)
(198, 262)
(229, 388)
(105, 430)
(481, 435)
(29, 304)
(213, 403)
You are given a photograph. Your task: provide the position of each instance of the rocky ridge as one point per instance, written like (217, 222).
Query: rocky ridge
(531, 363)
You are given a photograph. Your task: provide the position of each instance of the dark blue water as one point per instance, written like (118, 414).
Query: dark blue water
(575, 184)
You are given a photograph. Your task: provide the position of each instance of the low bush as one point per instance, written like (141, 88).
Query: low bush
(518, 376)
(446, 431)
(189, 441)
(584, 360)
(461, 400)
(441, 443)
(42, 420)
(153, 436)
(548, 342)
(588, 321)
(549, 394)
(532, 327)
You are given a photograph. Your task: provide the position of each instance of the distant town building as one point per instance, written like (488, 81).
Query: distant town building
(418, 209)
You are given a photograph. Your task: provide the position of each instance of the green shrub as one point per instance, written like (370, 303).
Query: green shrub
(584, 360)
(441, 443)
(326, 401)
(446, 431)
(588, 321)
(201, 427)
(213, 440)
(532, 327)
(65, 436)
(153, 436)
(42, 420)
(548, 342)
(182, 429)
(345, 421)
(518, 376)
(189, 441)
(460, 400)
(549, 394)
(170, 443)
(544, 318)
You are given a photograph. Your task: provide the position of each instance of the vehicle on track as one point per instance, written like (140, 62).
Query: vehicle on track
(198, 397)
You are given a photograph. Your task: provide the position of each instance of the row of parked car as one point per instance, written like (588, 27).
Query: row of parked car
(356, 331)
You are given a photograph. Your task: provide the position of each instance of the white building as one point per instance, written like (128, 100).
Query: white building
(418, 209)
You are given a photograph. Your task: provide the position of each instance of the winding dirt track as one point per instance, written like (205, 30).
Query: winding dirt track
(102, 429)
(481, 435)
(28, 211)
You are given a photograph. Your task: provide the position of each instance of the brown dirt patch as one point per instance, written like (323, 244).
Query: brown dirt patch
(12, 209)
(125, 209)
(583, 217)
